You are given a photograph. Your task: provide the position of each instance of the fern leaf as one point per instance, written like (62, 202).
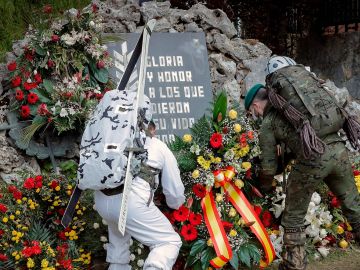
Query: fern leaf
(39, 232)
(28, 132)
(202, 131)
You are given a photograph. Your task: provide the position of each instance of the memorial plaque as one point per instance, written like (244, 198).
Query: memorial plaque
(177, 78)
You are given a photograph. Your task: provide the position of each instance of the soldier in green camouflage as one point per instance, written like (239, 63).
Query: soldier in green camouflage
(333, 167)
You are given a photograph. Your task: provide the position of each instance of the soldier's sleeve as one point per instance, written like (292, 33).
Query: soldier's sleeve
(268, 156)
(172, 185)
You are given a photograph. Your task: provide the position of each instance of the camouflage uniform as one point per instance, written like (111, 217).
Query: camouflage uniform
(333, 167)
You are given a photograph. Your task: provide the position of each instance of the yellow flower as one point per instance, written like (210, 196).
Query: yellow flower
(44, 263)
(241, 222)
(246, 165)
(343, 243)
(30, 263)
(195, 174)
(19, 201)
(57, 188)
(187, 138)
(219, 197)
(340, 230)
(12, 217)
(217, 160)
(232, 233)
(232, 114)
(210, 243)
(17, 257)
(232, 212)
(239, 183)
(17, 212)
(237, 128)
(5, 219)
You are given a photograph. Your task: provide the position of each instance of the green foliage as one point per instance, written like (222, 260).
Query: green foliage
(15, 15)
(202, 131)
(220, 108)
(69, 168)
(248, 252)
(38, 232)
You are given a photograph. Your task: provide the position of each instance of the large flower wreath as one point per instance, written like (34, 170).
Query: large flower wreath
(61, 74)
(218, 224)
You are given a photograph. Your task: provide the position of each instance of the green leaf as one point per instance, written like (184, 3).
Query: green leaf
(48, 85)
(197, 266)
(39, 50)
(202, 131)
(244, 255)
(33, 109)
(102, 75)
(197, 247)
(191, 260)
(220, 107)
(235, 261)
(206, 256)
(43, 96)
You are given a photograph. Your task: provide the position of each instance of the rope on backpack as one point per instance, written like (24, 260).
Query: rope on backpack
(352, 129)
(311, 143)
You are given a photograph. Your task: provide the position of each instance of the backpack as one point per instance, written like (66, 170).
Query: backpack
(313, 111)
(103, 156)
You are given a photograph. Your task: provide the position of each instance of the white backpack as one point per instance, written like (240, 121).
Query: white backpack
(103, 157)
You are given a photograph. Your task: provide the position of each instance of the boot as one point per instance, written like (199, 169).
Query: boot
(294, 254)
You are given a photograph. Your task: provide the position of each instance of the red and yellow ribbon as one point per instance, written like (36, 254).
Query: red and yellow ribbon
(245, 209)
(217, 232)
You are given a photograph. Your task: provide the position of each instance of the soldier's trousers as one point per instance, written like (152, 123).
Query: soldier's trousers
(145, 223)
(334, 168)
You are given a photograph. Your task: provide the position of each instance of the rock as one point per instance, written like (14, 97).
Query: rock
(224, 65)
(257, 74)
(151, 10)
(9, 157)
(30, 166)
(216, 18)
(162, 25)
(192, 27)
(233, 90)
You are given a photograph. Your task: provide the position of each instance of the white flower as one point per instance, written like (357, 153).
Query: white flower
(139, 251)
(104, 222)
(131, 242)
(323, 233)
(73, 12)
(103, 239)
(96, 225)
(63, 112)
(72, 111)
(35, 72)
(105, 246)
(140, 263)
(69, 40)
(28, 80)
(195, 149)
(132, 257)
(323, 251)
(209, 180)
(91, 24)
(94, 207)
(316, 198)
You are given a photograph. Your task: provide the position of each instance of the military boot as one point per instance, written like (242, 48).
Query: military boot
(294, 254)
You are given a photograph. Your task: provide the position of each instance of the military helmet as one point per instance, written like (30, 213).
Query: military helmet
(277, 62)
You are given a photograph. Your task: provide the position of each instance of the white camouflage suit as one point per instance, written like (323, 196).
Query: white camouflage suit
(145, 223)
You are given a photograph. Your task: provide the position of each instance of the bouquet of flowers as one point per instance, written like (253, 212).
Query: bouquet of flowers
(30, 231)
(216, 162)
(61, 74)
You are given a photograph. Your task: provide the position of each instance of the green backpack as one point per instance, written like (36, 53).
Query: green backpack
(299, 95)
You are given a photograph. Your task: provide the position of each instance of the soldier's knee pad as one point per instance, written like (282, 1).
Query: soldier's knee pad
(294, 254)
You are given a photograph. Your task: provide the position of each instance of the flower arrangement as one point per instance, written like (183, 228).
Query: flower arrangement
(61, 74)
(30, 231)
(216, 162)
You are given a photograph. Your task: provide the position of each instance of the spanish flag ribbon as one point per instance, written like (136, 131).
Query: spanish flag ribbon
(244, 208)
(216, 230)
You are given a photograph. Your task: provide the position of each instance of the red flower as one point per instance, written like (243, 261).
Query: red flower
(27, 252)
(100, 64)
(29, 183)
(95, 8)
(54, 184)
(42, 109)
(12, 188)
(29, 86)
(36, 249)
(3, 208)
(356, 172)
(216, 140)
(195, 219)
(16, 81)
(66, 264)
(11, 66)
(19, 95)
(181, 214)
(54, 38)
(243, 141)
(38, 181)
(248, 174)
(250, 134)
(227, 225)
(257, 210)
(99, 96)
(25, 111)
(1, 232)
(189, 232)
(266, 218)
(61, 211)
(62, 236)
(17, 195)
(331, 239)
(38, 78)
(335, 202)
(199, 190)
(3, 257)
(50, 63)
(170, 217)
(47, 9)
(32, 98)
